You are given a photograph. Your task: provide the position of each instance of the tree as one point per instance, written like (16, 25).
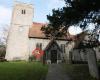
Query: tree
(5, 30)
(3, 40)
(76, 12)
(81, 13)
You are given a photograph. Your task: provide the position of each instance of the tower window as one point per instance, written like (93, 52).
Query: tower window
(20, 28)
(23, 11)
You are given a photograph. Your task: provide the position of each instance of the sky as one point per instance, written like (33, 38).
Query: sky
(41, 9)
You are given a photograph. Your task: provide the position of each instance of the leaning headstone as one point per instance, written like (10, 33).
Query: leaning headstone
(93, 69)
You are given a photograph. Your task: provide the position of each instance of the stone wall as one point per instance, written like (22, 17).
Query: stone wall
(17, 41)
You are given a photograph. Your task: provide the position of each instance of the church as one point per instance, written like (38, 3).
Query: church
(25, 36)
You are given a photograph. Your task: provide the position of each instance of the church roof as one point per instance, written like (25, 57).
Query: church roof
(35, 30)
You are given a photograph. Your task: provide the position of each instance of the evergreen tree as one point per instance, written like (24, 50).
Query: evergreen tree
(76, 12)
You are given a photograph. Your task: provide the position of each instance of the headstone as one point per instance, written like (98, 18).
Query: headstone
(93, 69)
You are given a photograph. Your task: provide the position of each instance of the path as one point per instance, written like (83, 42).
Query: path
(56, 72)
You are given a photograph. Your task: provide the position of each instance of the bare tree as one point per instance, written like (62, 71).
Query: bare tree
(3, 40)
(4, 34)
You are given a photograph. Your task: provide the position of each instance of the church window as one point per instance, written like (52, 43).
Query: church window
(63, 48)
(39, 45)
(59, 56)
(99, 50)
(20, 28)
(23, 11)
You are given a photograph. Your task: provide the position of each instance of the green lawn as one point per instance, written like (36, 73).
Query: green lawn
(78, 71)
(22, 71)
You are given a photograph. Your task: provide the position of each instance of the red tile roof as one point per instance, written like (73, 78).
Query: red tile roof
(35, 30)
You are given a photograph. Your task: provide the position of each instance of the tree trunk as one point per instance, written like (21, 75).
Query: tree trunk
(92, 63)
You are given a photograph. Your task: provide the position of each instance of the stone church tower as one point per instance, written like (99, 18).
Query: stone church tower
(18, 41)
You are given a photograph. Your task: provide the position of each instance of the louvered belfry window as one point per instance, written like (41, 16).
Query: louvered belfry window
(24, 11)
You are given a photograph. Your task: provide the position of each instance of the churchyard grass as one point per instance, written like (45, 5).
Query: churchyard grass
(22, 71)
(78, 71)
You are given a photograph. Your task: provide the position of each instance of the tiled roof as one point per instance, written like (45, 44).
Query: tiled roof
(35, 30)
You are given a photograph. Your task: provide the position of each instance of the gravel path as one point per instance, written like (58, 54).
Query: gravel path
(56, 72)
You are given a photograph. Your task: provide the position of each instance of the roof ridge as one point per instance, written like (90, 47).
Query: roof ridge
(39, 23)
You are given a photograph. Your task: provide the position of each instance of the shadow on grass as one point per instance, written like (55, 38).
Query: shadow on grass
(78, 71)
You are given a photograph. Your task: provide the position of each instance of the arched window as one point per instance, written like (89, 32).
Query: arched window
(39, 45)
(23, 11)
(63, 48)
(20, 28)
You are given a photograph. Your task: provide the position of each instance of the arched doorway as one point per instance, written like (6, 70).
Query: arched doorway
(53, 56)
